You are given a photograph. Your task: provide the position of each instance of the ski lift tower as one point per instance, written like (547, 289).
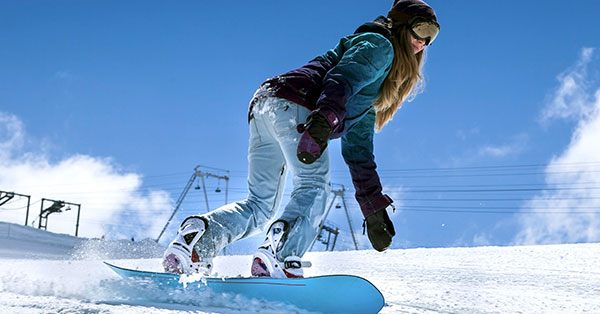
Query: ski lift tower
(334, 231)
(7, 196)
(56, 207)
(198, 173)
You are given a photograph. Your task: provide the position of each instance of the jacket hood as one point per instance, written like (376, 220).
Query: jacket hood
(375, 27)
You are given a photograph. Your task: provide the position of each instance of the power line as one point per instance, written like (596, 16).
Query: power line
(498, 167)
(496, 185)
(500, 207)
(501, 190)
(503, 212)
(493, 210)
(429, 176)
(169, 183)
(168, 187)
(497, 199)
(405, 188)
(382, 172)
(19, 208)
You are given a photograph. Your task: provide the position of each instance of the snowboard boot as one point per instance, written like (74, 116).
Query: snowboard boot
(181, 256)
(265, 262)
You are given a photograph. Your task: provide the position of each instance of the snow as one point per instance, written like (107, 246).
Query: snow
(43, 272)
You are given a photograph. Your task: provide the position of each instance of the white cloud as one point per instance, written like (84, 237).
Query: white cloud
(571, 100)
(11, 135)
(112, 203)
(496, 151)
(515, 146)
(576, 216)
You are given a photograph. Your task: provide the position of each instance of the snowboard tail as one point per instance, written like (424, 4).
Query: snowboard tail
(325, 294)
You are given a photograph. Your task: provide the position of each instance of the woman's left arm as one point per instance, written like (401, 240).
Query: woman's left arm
(357, 150)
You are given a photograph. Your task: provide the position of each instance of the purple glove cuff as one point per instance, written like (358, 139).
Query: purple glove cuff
(374, 205)
(332, 118)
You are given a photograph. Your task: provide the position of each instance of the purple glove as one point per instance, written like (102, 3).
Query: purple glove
(314, 141)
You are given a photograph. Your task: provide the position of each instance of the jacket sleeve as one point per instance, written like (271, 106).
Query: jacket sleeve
(357, 150)
(367, 59)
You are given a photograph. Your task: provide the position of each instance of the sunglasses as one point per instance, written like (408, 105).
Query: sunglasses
(424, 29)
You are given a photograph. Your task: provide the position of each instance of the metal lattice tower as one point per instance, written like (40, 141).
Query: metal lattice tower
(198, 173)
(335, 231)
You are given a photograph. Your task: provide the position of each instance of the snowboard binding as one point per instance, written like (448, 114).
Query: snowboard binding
(265, 262)
(181, 257)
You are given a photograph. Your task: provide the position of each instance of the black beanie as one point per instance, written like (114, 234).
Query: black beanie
(404, 10)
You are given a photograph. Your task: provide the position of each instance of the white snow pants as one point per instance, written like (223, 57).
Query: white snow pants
(271, 153)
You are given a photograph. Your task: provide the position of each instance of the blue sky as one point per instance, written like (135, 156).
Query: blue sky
(113, 103)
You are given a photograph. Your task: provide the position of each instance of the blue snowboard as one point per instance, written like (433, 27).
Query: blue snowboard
(325, 294)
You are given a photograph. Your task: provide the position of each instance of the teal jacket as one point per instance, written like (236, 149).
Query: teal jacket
(342, 84)
(362, 62)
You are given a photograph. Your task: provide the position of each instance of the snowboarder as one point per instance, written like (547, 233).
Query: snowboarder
(346, 93)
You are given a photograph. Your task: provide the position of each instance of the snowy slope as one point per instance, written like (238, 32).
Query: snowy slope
(535, 279)
(18, 241)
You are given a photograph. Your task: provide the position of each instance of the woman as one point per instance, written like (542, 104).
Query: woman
(346, 93)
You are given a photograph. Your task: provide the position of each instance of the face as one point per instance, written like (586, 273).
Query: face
(417, 44)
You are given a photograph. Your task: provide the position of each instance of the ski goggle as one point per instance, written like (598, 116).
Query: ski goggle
(424, 29)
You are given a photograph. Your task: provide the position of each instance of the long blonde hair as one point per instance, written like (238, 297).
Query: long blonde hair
(403, 82)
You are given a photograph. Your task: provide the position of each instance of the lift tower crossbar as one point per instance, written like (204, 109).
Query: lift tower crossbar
(198, 173)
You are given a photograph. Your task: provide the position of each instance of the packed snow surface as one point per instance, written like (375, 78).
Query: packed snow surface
(41, 272)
